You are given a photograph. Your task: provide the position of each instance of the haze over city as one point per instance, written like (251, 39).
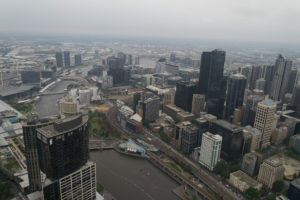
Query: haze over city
(263, 21)
(149, 100)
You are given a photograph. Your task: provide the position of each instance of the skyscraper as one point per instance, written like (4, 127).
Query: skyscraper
(67, 58)
(184, 95)
(268, 74)
(281, 78)
(264, 120)
(210, 150)
(255, 74)
(212, 82)
(235, 93)
(63, 156)
(78, 60)
(31, 152)
(59, 59)
(250, 109)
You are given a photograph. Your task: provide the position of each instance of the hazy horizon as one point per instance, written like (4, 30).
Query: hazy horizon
(268, 21)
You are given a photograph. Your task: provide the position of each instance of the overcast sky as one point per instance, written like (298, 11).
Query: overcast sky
(258, 20)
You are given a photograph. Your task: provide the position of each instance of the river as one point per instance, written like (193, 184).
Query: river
(126, 178)
(132, 178)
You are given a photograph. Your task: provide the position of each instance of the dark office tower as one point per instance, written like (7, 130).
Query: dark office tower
(31, 152)
(67, 58)
(63, 156)
(78, 60)
(31, 77)
(294, 190)
(268, 74)
(255, 74)
(122, 56)
(292, 80)
(120, 74)
(235, 93)
(281, 78)
(212, 83)
(172, 57)
(232, 136)
(296, 100)
(63, 146)
(250, 109)
(184, 95)
(59, 59)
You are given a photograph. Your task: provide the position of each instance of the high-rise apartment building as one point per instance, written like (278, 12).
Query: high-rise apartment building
(198, 104)
(270, 171)
(63, 157)
(264, 119)
(59, 59)
(78, 61)
(184, 95)
(31, 152)
(212, 82)
(281, 78)
(210, 150)
(235, 93)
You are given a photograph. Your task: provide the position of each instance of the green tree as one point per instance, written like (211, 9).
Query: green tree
(277, 186)
(263, 191)
(251, 193)
(220, 166)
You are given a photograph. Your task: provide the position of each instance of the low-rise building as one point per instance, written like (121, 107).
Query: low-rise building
(270, 171)
(242, 181)
(69, 106)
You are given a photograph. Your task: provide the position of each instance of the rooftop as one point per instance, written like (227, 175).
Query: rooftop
(7, 91)
(63, 125)
(268, 102)
(238, 76)
(251, 129)
(274, 162)
(212, 136)
(228, 125)
(245, 178)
